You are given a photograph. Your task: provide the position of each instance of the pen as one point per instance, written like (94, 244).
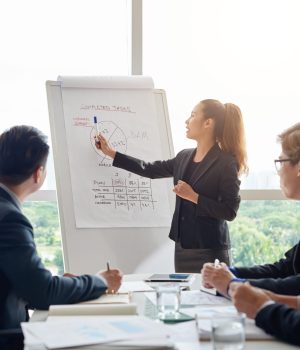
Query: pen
(212, 292)
(217, 262)
(108, 269)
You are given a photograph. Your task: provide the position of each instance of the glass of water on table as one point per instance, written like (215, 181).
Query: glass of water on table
(228, 332)
(167, 300)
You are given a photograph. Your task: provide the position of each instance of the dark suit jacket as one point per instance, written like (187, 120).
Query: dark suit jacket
(281, 322)
(282, 277)
(215, 180)
(23, 278)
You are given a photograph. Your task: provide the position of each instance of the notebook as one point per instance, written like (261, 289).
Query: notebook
(92, 309)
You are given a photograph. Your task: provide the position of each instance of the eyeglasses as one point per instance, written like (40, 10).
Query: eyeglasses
(279, 163)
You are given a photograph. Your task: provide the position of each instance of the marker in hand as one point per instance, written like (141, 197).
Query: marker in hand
(97, 142)
(97, 127)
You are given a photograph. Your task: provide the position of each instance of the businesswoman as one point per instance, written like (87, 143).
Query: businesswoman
(206, 182)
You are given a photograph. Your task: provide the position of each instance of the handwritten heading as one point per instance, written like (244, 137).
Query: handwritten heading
(106, 108)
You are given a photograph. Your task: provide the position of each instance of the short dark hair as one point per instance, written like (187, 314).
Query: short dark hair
(23, 149)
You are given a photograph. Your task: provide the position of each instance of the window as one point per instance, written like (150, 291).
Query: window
(245, 52)
(47, 38)
(263, 231)
(248, 53)
(44, 219)
(43, 39)
(194, 50)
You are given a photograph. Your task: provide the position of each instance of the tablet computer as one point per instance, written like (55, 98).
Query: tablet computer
(171, 277)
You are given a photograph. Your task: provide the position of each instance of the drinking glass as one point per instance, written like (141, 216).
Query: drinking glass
(168, 300)
(228, 332)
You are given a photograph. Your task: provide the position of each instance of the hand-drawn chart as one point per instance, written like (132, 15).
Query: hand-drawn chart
(124, 193)
(105, 196)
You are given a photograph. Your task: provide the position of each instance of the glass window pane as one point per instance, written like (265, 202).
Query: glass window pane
(245, 52)
(47, 234)
(263, 231)
(44, 39)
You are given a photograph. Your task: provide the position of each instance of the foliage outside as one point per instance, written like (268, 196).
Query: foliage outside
(262, 232)
(45, 222)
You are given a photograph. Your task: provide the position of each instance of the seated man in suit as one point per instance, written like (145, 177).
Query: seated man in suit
(281, 277)
(24, 281)
(274, 313)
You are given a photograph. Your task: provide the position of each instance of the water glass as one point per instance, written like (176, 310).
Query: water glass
(167, 300)
(228, 332)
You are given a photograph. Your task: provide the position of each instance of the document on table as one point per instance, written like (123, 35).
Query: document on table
(135, 286)
(195, 297)
(205, 311)
(183, 332)
(110, 299)
(251, 330)
(62, 332)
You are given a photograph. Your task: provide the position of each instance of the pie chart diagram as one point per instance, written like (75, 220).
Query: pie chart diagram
(114, 136)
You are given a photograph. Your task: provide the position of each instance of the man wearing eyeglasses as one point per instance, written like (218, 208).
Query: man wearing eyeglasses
(276, 314)
(280, 162)
(283, 276)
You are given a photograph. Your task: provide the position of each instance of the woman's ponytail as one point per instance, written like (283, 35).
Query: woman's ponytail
(233, 136)
(229, 129)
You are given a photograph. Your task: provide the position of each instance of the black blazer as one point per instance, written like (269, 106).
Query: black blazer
(281, 322)
(281, 277)
(24, 281)
(215, 180)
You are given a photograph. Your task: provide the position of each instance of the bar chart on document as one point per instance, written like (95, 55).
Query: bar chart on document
(103, 195)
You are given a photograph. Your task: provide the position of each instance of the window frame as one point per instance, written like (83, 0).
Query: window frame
(50, 195)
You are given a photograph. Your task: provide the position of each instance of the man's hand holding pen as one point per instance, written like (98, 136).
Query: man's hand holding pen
(216, 275)
(113, 278)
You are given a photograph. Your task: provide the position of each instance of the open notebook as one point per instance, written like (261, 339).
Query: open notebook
(118, 298)
(107, 304)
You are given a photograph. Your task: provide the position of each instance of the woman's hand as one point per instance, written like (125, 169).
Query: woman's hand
(185, 191)
(102, 144)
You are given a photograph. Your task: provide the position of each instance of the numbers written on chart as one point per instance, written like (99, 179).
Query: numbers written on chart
(124, 193)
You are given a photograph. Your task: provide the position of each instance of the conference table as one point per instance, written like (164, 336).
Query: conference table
(182, 341)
